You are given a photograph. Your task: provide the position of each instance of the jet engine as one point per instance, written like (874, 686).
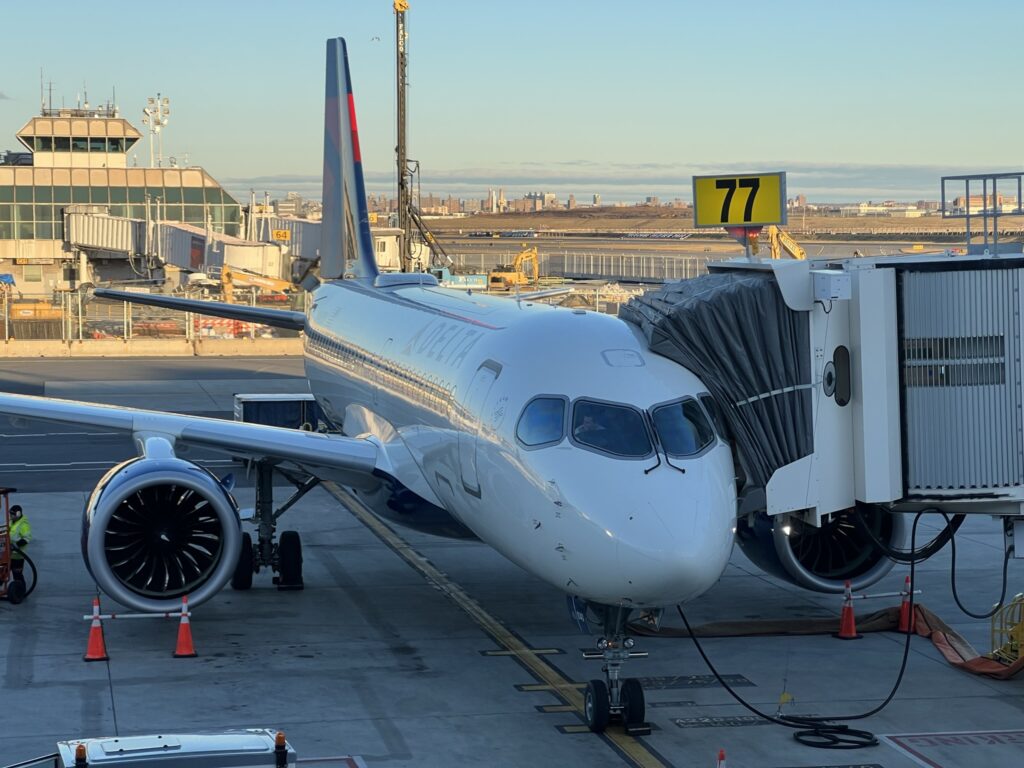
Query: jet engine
(157, 529)
(823, 558)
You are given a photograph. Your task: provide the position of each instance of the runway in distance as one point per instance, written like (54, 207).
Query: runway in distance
(553, 435)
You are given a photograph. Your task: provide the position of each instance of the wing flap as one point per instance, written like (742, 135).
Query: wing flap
(278, 318)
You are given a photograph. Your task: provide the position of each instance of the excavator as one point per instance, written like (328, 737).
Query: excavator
(509, 276)
(232, 277)
(780, 241)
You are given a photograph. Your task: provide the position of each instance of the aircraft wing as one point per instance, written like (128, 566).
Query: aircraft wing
(279, 318)
(345, 459)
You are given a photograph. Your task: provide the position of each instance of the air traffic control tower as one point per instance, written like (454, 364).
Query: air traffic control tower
(79, 157)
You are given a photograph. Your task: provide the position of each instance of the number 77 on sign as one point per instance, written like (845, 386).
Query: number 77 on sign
(739, 200)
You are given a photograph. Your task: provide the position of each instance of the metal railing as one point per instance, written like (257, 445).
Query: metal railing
(594, 265)
(74, 316)
(625, 267)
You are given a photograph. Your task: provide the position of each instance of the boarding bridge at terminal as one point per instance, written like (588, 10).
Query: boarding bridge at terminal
(854, 388)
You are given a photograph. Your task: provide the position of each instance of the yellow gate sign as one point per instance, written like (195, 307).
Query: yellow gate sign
(739, 200)
(281, 235)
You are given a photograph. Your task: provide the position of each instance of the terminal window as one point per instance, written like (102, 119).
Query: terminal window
(37, 212)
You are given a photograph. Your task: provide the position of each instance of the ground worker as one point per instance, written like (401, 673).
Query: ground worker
(21, 535)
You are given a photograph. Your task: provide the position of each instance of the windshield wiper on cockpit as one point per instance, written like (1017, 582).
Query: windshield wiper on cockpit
(658, 442)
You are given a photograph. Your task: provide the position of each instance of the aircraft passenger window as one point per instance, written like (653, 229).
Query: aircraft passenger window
(683, 428)
(616, 429)
(542, 422)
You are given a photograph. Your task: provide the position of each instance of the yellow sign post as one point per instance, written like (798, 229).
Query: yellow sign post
(281, 235)
(739, 200)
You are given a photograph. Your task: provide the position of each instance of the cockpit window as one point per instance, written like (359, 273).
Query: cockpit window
(683, 428)
(716, 414)
(615, 429)
(542, 422)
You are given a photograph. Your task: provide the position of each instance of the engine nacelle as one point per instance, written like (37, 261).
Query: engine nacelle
(157, 529)
(822, 559)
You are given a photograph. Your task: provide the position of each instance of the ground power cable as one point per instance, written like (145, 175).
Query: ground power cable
(946, 536)
(952, 577)
(824, 732)
(913, 554)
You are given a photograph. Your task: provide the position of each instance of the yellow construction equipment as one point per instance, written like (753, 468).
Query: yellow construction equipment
(779, 241)
(509, 276)
(232, 277)
(1008, 631)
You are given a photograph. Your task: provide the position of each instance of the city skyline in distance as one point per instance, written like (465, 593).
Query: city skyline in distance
(855, 103)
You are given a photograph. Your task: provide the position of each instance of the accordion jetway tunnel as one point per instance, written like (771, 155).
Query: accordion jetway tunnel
(855, 390)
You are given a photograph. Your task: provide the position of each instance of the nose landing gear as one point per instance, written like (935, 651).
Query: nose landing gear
(614, 699)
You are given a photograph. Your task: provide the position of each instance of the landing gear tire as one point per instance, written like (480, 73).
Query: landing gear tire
(242, 577)
(16, 591)
(596, 706)
(631, 694)
(289, 561)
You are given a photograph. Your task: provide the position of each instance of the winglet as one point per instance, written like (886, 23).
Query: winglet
(346, 248)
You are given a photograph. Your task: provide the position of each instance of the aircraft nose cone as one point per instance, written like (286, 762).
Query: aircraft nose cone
(684, 561)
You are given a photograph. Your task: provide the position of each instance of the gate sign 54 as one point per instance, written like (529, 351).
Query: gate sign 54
(744, 200)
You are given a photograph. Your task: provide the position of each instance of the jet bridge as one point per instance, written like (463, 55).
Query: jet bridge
(892, 383)
(893, 380)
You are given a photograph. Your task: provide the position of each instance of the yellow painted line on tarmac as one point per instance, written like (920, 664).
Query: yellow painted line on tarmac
(579, 729)
(537, 651)
(534, 687)
(634, 751)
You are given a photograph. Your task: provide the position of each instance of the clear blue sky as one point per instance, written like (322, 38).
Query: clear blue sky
(862, 100)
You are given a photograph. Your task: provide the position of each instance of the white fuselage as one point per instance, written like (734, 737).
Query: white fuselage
(440, 378)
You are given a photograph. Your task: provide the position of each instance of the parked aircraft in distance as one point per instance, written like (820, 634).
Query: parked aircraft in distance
(553, 435)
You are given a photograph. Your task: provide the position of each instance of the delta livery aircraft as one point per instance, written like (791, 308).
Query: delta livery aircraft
(553, 435)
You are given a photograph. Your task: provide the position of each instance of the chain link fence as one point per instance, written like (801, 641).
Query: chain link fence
(75, 316)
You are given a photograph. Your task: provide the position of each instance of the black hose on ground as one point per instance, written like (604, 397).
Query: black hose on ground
(825, 732)
(32, 565)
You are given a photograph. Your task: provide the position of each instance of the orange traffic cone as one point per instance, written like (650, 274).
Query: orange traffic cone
(847, 623)
(720, 763)
(96, 650)
(908, 621)
(185, 649)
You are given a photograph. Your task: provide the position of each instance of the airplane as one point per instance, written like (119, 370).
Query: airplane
(553, 435)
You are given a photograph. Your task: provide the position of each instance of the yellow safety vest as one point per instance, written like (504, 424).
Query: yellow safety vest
(20, 529)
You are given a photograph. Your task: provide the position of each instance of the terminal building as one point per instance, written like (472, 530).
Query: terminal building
(77, 161)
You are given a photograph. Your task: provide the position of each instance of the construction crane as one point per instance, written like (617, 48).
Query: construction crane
(438, 255)
(508, 276)
(779, 241)
(405, 220)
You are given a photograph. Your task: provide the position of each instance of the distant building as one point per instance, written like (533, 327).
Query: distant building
(597, 200)
(980, 203)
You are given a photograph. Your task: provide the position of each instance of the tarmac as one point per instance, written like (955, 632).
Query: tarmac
(405, 650)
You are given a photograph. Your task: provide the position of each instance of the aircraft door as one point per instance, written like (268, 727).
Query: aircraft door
(479, 389)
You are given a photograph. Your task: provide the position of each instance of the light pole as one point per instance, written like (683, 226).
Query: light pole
(155, 115)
